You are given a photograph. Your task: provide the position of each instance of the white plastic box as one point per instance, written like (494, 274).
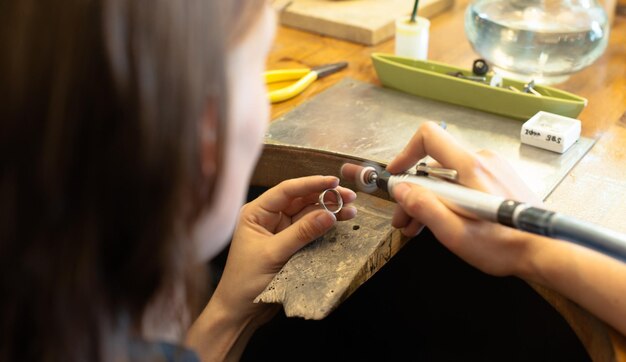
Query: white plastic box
(550, 131)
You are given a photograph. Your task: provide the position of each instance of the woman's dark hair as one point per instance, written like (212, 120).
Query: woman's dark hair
(101, 109)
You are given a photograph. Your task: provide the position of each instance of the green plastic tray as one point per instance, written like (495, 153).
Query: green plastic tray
(426, 78)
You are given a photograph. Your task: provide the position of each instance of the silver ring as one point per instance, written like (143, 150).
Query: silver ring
(339, 200)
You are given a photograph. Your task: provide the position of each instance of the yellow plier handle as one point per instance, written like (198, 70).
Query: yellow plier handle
(305, 78)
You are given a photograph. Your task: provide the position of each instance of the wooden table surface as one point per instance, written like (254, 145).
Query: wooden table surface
(595, 190)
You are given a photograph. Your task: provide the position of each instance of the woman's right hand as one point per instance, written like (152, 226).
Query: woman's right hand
(591, 279)
(491, 247)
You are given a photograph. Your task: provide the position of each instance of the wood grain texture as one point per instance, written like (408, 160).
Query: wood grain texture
(582, 193)
(367, 22)
(320, 276)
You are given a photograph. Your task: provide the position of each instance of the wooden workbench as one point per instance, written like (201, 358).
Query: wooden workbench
(594, 190)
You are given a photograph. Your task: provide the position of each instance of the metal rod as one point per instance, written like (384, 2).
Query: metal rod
(414, 13)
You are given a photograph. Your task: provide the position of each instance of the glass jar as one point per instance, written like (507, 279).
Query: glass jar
(540, 40)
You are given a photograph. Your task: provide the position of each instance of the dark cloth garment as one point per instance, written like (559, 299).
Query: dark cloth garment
(141, 351)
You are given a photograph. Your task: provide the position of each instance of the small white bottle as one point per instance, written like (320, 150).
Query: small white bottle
(412, 37)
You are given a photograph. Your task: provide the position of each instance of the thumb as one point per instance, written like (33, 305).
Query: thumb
(306, 229)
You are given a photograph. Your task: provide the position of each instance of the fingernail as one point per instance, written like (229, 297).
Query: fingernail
(325, 219)
(400, 190)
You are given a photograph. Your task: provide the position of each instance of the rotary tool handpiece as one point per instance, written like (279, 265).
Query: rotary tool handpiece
(465, 201)
(480, 205)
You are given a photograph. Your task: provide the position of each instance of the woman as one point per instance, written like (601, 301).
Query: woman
(129, 133)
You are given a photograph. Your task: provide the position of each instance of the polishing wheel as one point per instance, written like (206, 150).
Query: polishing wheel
(363, 176)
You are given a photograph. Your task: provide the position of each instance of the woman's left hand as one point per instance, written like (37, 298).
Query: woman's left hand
(270, 230)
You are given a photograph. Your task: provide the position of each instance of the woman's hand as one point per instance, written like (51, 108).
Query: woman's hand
(491, 247)
(591, 279)
(270, 230)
